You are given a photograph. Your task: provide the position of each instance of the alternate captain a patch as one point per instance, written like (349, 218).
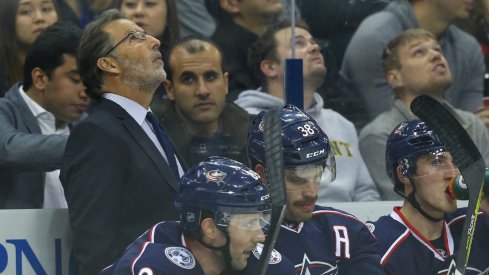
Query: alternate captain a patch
(181, 257)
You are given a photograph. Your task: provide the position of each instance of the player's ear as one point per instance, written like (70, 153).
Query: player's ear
(209, 228)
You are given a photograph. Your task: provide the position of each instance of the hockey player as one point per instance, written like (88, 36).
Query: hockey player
(414, 238)
(223, 206)
(315, 239)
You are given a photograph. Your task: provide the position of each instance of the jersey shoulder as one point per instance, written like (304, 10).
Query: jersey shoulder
(334, 215)
(160, 250)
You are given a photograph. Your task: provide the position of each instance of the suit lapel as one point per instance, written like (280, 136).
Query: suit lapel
(141, 138)
(28, 118)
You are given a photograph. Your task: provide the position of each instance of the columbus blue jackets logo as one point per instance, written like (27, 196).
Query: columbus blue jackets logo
(275, 257)
(399, 129)
(180, 256)
(215, 175)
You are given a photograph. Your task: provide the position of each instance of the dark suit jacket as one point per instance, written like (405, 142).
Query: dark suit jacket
(117, 185)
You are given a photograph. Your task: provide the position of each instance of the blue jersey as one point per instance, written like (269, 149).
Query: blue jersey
(479, 254)
(405, 251)
(160, 250)
(163, 250)
(331, 242)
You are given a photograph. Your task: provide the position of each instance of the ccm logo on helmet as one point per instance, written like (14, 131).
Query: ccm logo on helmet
(315, 154)
(264, 197)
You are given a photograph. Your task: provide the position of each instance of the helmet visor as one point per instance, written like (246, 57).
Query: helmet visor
(436, 162)
(308, 177)
(250, 223)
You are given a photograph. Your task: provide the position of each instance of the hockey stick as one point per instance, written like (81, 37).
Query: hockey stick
(468, 160)
(275, 171)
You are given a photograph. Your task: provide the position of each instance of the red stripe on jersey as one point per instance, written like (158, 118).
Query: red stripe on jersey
(394, 246)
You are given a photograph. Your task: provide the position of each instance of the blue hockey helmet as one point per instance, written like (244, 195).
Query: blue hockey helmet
(303, 140)
(409, 140)
(219, 187)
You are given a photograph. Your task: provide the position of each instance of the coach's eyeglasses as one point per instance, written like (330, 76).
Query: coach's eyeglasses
(139, 35)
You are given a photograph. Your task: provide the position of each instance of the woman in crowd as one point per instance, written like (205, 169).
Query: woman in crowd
(21, 21)
(157, 17)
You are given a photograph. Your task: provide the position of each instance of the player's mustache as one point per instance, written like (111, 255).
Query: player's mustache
(307, 200)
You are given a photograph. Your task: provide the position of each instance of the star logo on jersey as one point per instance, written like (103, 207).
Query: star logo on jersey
(215, 175)
(308, 267)
(275, 257)
(180, 256)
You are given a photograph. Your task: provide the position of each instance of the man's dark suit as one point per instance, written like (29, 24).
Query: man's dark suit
(117, 185)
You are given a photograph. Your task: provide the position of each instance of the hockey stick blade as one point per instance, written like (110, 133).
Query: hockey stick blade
(465, 155)
(275, 171)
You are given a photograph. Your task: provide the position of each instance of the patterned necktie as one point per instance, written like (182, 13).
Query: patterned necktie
(164, 141)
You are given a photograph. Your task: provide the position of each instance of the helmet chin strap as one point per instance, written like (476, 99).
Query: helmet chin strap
(412, 199)
(226, 251)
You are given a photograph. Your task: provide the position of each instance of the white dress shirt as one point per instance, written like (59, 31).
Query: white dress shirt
(138, 113)
(54, 196)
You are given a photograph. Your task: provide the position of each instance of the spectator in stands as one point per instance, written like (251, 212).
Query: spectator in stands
(21, 21)
(194, 19)
(362, 61)
(239, 23)
(481, 14)
(414, 238)
(82, 12)
(267, 59)
(196, 114)
(157, 17)
(414, 65)
(478, 25)
(333, 23)
(336, 21)
(34, 121)
(119, 170)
